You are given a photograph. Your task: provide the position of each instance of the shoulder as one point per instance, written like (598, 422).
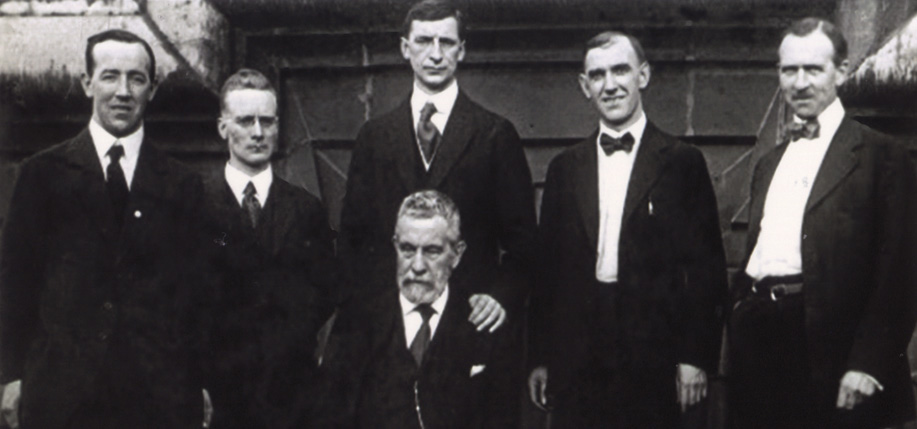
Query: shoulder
(572, 155)
(296, 194)
(480, 114)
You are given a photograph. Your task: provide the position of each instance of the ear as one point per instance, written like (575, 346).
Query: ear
(643, 75)
(405, 49)
(461, 51)
(584, 85)
(459, 251)
(841, 75)
(85, 81)
(221, 128)
(154, 85)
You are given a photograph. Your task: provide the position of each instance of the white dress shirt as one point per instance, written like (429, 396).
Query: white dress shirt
(238, 180)
(444, 101)
(103, 141)
(778, 249)
(413, 320)
(614, 176)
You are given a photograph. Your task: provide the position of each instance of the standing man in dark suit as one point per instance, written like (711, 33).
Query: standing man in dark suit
(99, 292)
(274, 261)
(439, 139)
(408, 357)
(824, 303)
(636, 276)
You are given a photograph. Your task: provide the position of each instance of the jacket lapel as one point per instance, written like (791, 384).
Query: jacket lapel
(586, 187)
(401, 142)
(280, 212)
(459, 132)
(647, 168)
(839, 161)
(764, 174)
(81, 156)
(147, 191)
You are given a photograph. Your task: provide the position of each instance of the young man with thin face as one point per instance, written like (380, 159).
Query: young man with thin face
(627, 318)
(406, 356)
(824, 303)
(99, 287)
(274, 264)
(438, 138)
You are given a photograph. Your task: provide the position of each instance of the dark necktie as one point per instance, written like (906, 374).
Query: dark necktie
(116, 184)
(422, 340)
(611, 144)
(808, 129)
(251, 204)
(427, 132)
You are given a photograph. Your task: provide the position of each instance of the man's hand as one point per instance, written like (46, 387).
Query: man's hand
(691, 384)
(538, 382)
(208, 409)
(856, 386)
(486, 312)
(9, 405)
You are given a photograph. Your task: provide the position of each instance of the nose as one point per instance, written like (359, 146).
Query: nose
(801, 81)
(609, 85)
(418, 266)
(123, 90)
(257, 131)
(437, 51)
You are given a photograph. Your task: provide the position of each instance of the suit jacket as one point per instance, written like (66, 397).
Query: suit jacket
(480, 165)
(370, 378)
(671, 264)
(88, 312)
(858, 250)
(273, 283)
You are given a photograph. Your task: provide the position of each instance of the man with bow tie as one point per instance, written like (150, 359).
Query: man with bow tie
(404, 355)
(823, 305)
(628, 318)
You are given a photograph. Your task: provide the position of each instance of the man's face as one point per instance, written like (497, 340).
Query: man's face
(808, 75)
(425, 257)
(120, 86)
(612, 80)
(434, 50)
(249, 123)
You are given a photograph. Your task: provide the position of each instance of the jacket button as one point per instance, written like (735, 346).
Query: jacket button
(107, 305)
(804, 236)
(103, 336)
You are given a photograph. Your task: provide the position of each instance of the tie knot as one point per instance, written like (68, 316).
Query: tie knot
(427, 111)
(249, 190)
(426, 311)
(808, 129)
(116, 152)
(611, 144)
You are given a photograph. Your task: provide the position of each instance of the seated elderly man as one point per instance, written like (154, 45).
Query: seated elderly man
(407, 356)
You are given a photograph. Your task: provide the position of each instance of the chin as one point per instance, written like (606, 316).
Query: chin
(419, 294)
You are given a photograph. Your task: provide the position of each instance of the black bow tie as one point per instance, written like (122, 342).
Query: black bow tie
(808, 129)
(611, 144)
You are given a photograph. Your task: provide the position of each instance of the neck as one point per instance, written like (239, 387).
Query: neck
(621, 126)
(249, 170)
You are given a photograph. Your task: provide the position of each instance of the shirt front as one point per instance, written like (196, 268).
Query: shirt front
(103, 141)
(778, 251)
(614, 177)
(238, 181)
(413, 320)
(444, 101)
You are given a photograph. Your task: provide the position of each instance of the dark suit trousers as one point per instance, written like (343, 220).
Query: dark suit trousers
(610, 392)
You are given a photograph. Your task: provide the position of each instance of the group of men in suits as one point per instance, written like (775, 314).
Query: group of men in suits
(128, 284)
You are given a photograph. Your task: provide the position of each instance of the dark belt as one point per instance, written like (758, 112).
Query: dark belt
(777, 287)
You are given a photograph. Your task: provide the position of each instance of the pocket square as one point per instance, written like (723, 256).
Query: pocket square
(477, 369)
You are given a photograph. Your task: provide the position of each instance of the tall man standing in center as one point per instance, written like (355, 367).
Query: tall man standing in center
(637, 278)
(439, 139)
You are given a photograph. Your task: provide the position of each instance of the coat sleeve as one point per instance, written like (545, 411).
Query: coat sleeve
(888, 321)
(704, 267)
(515, 209)
(22, 262)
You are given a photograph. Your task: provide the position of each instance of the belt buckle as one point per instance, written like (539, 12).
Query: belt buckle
(778, 287)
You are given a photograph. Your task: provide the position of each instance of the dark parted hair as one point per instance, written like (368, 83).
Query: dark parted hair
(807, 26)
(119, 36)
(607, 37)
(245, 79)
(433, 10)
